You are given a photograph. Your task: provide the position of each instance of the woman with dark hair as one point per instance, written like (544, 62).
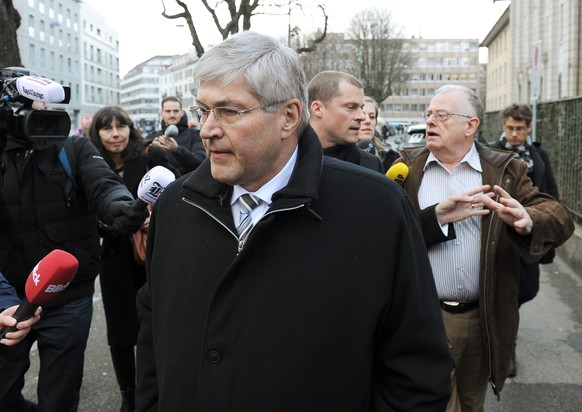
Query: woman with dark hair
(123, 147)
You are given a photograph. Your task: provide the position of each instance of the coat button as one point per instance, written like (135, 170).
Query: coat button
(214, 356)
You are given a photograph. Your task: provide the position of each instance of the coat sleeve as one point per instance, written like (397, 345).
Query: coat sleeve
(552, 221)
(413, 368)
(8, 296)
(101, 185)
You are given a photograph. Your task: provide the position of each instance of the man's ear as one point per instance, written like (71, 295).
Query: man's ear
(473, 125)
(291, 116)
(315, 109)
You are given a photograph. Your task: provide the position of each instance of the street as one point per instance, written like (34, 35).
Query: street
(549, 354)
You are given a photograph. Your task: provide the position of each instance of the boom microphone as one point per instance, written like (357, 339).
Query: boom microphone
(171, 131)
(152, 185)
(47, 280)
(398, 172)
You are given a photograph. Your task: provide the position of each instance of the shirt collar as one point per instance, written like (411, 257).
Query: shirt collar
(279, 181)
(471, 158)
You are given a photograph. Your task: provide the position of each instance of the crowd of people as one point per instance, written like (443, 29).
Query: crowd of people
(257, 292)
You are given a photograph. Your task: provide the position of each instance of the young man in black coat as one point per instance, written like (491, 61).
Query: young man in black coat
(261, 294)
(186, 147)
(336, 105)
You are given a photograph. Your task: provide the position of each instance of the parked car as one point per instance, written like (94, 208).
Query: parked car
(415, 136)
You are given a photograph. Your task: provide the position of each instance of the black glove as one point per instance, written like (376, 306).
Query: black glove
(126, 220)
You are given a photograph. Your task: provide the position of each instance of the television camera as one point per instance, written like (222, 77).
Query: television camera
(20, 119)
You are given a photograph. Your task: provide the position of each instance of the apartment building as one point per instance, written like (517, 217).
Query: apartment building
(141, 92)
(68, 42)
(436, 62)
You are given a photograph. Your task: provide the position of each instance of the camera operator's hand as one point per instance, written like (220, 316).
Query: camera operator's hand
(125, 218)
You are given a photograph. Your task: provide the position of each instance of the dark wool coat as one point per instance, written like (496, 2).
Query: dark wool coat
(42, 209)
(502, 247)
(330, 304)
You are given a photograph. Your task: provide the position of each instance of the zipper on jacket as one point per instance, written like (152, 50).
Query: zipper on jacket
(240, 243)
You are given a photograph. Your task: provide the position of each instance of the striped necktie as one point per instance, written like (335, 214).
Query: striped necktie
(247, 203)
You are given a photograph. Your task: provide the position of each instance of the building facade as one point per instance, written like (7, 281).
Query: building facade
(142, 92)
(498, 43)
(68, 42)
(435, 62)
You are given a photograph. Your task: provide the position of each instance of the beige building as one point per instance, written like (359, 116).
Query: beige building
(498, 43)
(436, 62)
(556, 26)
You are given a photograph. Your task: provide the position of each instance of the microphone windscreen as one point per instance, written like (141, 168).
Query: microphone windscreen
(171, 131)
(398, 172)
(50, 276)
(153, 184)
(40, 89)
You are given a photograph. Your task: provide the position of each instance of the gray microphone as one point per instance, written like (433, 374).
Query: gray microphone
(171, 131)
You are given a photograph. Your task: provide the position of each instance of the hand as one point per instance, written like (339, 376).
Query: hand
(510, 211)
(22, 328)
(459, 207)
(165, 142)
(125, 218)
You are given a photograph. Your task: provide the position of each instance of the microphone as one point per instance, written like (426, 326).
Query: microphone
(171, 131)
(40, 89)
(398, 173)
(152, 185)
(47, 280)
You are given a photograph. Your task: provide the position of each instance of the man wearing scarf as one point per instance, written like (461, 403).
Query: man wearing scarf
(517, 125)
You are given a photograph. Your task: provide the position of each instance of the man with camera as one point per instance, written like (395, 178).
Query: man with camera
(53, 190)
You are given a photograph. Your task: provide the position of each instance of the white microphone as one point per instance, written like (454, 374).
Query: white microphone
(151, 186)
(171, 131)
(40, 89)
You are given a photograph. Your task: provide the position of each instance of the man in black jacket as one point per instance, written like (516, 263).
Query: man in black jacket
(47, 203)
(261, 294)
(336, 104)
(186, 148)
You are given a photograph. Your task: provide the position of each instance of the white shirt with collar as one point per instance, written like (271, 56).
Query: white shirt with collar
(265, 192)
(455, 263)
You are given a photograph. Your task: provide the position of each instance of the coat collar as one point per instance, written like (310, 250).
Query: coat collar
(302, 188)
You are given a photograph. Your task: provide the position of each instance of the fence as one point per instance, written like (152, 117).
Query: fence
(559, 129)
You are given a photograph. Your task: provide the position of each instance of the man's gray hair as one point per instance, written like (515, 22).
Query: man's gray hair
(473, 105)
(272, 70)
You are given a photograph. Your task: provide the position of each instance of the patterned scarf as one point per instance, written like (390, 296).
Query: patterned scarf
(520, 152)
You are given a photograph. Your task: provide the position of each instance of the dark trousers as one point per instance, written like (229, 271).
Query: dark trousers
(61, 335)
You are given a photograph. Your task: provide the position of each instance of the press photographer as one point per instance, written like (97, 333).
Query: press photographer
(53, 190)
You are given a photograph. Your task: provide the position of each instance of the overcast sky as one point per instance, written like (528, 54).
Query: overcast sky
(144, 33)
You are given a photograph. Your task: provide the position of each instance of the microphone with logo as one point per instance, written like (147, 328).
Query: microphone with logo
(398, 173)
(151, 186)
(47, 280)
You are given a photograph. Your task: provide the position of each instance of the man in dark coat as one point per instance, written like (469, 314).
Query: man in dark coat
(275, 302)
(186, 148)
(336, 105)
(48, 203)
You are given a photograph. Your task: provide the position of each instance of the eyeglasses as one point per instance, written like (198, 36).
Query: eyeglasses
(519, 129)
(443, 116)
(225, 115)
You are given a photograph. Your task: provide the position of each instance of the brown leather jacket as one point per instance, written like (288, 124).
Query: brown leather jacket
(502, 247)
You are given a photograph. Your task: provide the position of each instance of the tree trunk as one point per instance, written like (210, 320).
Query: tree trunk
(9, 23)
